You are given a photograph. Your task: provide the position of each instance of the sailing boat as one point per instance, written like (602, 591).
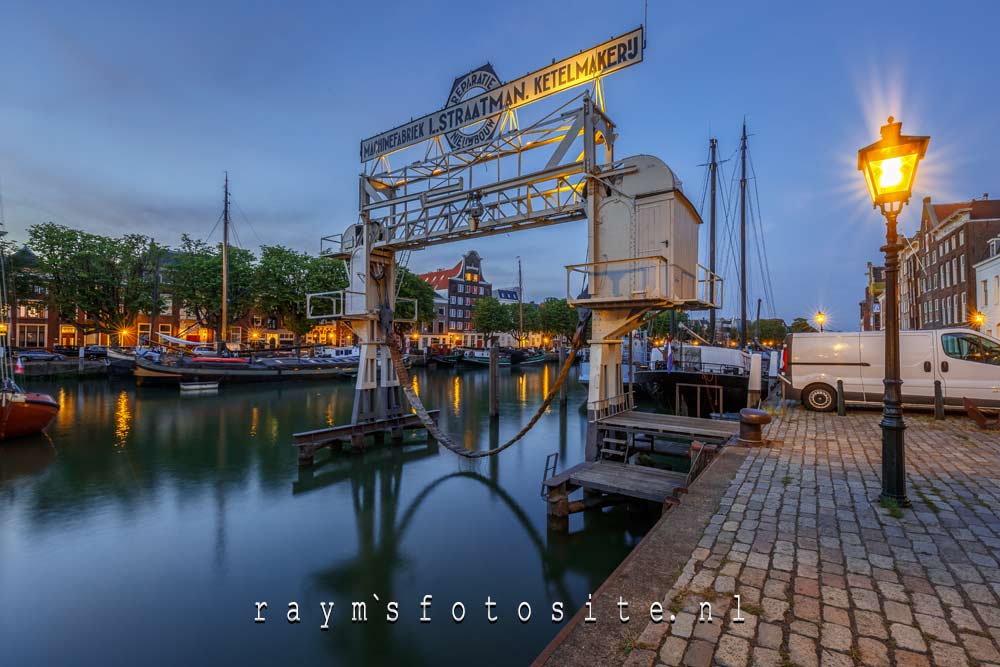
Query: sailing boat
(520, 356)
(21, 413)
(704, 379)
(176, 365)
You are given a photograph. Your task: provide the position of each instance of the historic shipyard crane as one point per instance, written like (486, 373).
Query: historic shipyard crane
(642, 230)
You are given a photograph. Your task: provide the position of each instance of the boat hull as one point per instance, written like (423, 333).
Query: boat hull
(698, 394)
(149, 372)
(26, 415)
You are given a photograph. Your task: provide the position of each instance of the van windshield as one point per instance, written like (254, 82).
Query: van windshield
(971, 347)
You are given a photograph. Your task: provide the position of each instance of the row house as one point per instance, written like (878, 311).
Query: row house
(460, 286)
(988, 288)
(953, 238)
(871, 307)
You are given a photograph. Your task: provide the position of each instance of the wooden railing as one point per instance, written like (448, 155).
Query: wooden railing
(613, 405)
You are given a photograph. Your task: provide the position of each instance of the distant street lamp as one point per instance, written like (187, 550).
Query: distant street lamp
(890, 166)
(978, 320)
(820, 320)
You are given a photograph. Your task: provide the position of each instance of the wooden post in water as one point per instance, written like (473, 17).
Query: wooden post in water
(494, 367)
(562, 361)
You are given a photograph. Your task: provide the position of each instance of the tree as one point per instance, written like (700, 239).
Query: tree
(774, 329)
(194, 274)
(660, 326)
(529, 313)
(98, 283)
(557, 318)
(801, 325)
(411, 286)
(285, 276)
(490, 317)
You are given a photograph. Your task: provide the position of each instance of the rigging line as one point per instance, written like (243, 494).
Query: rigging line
(214, 227)
(249, 224)
(767, 267)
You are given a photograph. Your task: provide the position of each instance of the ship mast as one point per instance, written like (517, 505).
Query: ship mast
(225, 263)
(713, 169)
(520, 305)
(743, 237)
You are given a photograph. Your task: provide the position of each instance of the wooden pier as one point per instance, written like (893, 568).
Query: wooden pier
(650, 423)
(308, 442)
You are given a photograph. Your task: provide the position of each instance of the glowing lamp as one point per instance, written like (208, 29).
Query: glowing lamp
(890, 165)
(978, 319)
(415, 336)
(3, 328)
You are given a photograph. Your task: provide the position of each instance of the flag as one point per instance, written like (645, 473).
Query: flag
(19, 366)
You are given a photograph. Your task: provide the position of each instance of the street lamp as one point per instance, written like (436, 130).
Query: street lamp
(890, 166)
(978, 319)
(820, 320)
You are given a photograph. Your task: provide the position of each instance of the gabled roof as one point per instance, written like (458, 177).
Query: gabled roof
(439, 279)
(942, 211)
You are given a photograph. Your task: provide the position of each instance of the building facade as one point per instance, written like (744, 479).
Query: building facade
(987, 274)
(871, 307)
(461, 286)
(953, 239)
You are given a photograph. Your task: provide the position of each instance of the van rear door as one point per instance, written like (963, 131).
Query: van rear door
(969, 364)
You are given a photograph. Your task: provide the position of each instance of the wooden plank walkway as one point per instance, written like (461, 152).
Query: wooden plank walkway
(633, 481)
(657, 424)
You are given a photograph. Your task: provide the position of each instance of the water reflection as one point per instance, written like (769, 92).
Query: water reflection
(215, 513)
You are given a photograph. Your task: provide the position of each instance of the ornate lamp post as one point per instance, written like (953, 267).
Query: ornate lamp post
(978, 320)
(889, 166)
(820, 320)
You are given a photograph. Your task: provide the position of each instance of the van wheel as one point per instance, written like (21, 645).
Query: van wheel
(820, 397)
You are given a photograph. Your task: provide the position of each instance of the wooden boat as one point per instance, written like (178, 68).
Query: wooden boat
(482, 358)
(447, 359)
(172, 369)
(24, 413)
(531, 360)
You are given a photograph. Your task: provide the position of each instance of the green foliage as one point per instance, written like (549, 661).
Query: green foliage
(771, 329)
(411, 286)
(660, 325)
(99, 283)
(194, 274)
(490, 317)
(801, 325)
(531, 316)
(557, 318)
(285, 276)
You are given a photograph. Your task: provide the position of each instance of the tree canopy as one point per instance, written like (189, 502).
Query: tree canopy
(285, 276)
(773, 329)
(801, 325)
(98, 283)
(490, 317)
(557, 318)
(194, 274)
(411, 286)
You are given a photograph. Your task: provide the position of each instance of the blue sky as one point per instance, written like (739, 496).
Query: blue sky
(123, 116)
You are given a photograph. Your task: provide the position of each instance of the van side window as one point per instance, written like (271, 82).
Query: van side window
(969, 347)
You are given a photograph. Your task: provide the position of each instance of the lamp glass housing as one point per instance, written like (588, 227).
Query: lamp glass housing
(890, 164)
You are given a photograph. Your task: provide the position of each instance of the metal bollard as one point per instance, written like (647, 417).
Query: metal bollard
(841, 408)
(938, 401)
(752, 423)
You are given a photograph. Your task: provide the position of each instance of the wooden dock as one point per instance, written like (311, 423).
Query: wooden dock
(651, 423)
(633, 481)
(308, 442)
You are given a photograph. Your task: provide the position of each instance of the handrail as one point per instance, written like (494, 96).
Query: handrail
(610, 406)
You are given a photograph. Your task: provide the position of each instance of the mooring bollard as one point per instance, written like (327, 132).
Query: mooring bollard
(938, 401)
(752, 423)
(841, 408)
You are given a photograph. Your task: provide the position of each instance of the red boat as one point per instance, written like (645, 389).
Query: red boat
(23, 414)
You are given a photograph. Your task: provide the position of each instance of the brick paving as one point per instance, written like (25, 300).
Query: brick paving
(826, 575)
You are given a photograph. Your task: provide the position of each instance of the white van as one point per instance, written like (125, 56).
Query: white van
(965, 361)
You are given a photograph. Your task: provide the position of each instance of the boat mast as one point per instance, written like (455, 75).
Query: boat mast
(225, 263)
(712, 168)
(743, 237)
(520, 305)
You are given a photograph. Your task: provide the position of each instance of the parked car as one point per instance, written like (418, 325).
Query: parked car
(205, 351)
(964, 361)
(67, 350)
(95, 351)
(38, 355)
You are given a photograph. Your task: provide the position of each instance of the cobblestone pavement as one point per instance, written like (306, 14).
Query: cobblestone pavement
(827, 577)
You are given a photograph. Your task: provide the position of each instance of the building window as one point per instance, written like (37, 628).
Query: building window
(33, 310)
(947, 309)
(961, 237)
(964, 303)
(163, 328)
(236, 335)
(31, 335)
(986, 293)
(962, 265)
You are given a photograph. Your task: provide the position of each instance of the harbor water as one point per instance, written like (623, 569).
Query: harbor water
(146, 525)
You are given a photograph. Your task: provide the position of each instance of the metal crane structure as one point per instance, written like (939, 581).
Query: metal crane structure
(642, 231)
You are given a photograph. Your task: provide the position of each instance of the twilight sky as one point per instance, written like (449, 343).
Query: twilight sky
(120, 117)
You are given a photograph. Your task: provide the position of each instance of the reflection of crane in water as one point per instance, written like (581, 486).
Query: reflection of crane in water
(378, 555)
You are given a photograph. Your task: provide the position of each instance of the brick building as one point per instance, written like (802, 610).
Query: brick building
(461, 286)
(871, 310)
(953, 238)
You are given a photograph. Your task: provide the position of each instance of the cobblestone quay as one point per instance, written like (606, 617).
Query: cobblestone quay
(827, 577)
